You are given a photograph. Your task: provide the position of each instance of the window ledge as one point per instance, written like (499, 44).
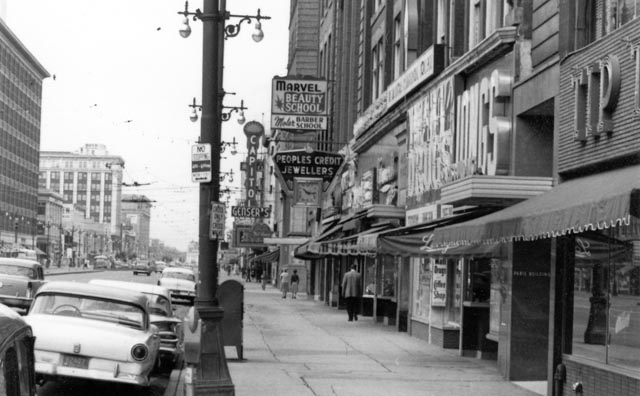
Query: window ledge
(601, 366)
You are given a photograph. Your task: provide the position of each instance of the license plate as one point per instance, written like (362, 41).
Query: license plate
(75, 361)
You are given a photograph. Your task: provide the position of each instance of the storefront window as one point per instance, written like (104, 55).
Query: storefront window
(606, 307)
(422, 288)
(454, 267)
(369, 277)
(387, 281)
(478, 286)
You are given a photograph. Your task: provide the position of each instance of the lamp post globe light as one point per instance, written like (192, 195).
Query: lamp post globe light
(211, 374)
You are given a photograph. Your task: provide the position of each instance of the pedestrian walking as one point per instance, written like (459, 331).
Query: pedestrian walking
(295, 280)
(285, 278)
(352, 290)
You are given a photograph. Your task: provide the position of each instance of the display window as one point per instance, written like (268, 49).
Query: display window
(454, 292)
(421, 288)
(478, 281)
(606, 300)
(386, 285)
(369, 280)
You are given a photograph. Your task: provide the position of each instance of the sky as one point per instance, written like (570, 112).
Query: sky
(122, 76)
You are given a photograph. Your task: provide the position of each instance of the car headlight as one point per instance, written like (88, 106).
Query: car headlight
(139, 352)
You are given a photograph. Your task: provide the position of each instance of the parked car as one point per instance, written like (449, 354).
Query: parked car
(93, 332)
(19, 280)
(17, 371)
(181, 283)
(143, 267)
(161, 315)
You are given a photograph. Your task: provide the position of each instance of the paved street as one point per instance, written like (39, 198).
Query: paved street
(302, 347)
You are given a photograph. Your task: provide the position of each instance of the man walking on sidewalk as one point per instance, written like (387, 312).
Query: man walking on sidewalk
(352, 290)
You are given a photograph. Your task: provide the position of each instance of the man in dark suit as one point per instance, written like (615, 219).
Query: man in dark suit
(352, 290)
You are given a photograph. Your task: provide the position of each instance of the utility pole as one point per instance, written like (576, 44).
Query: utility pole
(213, 376)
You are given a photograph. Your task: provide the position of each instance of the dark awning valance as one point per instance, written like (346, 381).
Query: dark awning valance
(598, 201)
(267, 257)
(308, 250)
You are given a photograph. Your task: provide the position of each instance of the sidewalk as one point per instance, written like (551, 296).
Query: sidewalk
(302, 347)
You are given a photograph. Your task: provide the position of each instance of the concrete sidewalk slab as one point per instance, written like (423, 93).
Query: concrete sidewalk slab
(303, 347)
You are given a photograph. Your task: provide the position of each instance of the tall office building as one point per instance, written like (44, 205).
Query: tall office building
(89, 177)
(21, 78)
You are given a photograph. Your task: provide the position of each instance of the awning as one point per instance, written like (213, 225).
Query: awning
(359, 244)
(310, 250)
(267, 257)
(593, 202)
(417, 240)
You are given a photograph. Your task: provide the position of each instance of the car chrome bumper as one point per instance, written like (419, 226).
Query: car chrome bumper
(101, 375)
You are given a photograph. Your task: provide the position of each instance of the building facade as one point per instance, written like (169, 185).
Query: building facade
(20, 117)
(90, 177)
(489, 193)
(50, 228)
(136, 225)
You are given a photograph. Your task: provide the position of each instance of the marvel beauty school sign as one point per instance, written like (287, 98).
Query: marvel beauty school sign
(299, 104)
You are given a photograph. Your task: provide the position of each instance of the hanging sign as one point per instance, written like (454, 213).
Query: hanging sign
(307, 164)
(201, 163)
(254, 131)
(299, 104)
(251, 211)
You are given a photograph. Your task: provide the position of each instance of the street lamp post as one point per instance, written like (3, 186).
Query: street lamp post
(212, 374)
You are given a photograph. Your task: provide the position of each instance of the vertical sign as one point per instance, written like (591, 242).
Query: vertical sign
(201, 163)
(253, 130)
(439, 289)
(216, 225)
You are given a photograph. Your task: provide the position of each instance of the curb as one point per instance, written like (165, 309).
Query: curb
(174, 381)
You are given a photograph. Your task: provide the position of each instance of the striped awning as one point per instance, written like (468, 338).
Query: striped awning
(594, 202)
(267, 257)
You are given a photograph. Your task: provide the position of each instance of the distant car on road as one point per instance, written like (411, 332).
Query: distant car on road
(16, 354)
(101, 262)
(143, 267)
(160, 265)
(94, 332)
(181, 283)
(161, 315)
(19, 281)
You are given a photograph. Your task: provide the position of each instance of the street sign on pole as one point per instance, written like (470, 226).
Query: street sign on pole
(201, 163)
(216, 228)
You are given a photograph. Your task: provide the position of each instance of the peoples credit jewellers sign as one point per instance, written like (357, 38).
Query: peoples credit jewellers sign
(299, 104)
(307, 164)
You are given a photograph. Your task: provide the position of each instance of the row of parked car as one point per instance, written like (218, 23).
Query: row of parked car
(102, 330)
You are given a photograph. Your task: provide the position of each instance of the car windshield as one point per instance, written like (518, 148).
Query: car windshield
(179, 275)
(90, 307)
(159, 305)
(9, 269)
